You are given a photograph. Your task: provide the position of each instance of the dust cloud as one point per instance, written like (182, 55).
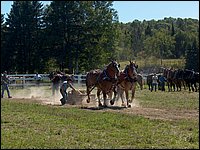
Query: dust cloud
(43, 94)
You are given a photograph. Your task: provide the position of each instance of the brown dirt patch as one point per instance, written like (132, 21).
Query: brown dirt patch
(150, 113)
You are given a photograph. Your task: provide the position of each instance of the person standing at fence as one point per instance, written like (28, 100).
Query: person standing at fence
(55, 83)
(162, 80)
(63, 89)
(4, 82)
(154, 82)
(38, 78)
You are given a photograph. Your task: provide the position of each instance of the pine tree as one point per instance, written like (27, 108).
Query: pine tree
(192, 57)
(148, 31)
(24, 22)
(172, 31)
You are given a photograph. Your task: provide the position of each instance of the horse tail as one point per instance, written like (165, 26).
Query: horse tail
(87, 87)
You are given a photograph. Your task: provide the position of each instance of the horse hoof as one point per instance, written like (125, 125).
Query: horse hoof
(105, 106)
(129, 106)
(111, 102)
(88, 100)
(100, 105)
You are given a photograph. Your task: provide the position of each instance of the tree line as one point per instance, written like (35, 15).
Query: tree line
(78, 36)
(169, 38)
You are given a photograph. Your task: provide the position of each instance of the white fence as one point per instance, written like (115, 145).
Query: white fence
(22, 80)
(80, 79)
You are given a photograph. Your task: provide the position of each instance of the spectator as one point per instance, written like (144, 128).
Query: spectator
(162, 80)
(4, 82)
(55, 83)
(37, 78)
(154, 82)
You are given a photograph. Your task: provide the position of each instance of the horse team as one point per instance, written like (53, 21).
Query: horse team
(113, 80)
(177, 78)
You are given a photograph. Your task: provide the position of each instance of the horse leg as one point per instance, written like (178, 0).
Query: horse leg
(98, 96)
(174, 86)
(121, 92)
(104, 100)
(133, 94)
(189, 86)
(183, 82)
(88, 94)
(179, 83)
(168, 86)
(192, 86)
(195, 86)
(112, 101)
(127, 100)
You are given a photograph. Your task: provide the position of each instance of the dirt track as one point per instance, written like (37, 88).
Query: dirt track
(40, 96)
(151, 113)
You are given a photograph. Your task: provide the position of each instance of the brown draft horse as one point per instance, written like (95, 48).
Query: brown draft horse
(168, 73)
(105, 81)
(91, 81)
(140, 81)
(127, 81)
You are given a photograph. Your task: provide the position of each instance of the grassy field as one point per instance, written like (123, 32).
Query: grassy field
(28, 124)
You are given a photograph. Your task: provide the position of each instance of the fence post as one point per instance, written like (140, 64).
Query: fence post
(23, 81)
(79, 78)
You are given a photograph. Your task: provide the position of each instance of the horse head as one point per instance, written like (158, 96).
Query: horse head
(131, 70)
(113, 69)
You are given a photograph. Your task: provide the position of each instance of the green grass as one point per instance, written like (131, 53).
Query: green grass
(25, 124)
(182, 100)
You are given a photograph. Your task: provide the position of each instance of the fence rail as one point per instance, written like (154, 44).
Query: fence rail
(21, 80)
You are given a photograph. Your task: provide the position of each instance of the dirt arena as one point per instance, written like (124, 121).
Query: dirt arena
(45, 98)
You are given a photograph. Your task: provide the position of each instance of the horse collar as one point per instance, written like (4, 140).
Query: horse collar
(107, 75)
(131, 79)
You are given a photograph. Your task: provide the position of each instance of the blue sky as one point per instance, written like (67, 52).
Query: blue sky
(143, 10)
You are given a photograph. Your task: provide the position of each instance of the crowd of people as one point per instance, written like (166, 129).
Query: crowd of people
(158, 82)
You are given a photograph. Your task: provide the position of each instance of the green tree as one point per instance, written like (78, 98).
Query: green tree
(23, 24)
(173, 30)
(100, 28)
(192, 57)
(161, 45)
(82, 34)
(148, 31)
(181, 39)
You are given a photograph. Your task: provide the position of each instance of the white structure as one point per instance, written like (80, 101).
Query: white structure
(28, 79)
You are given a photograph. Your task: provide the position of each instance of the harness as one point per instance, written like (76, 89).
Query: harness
(108, 78)
(128, 79)
(105, 76)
